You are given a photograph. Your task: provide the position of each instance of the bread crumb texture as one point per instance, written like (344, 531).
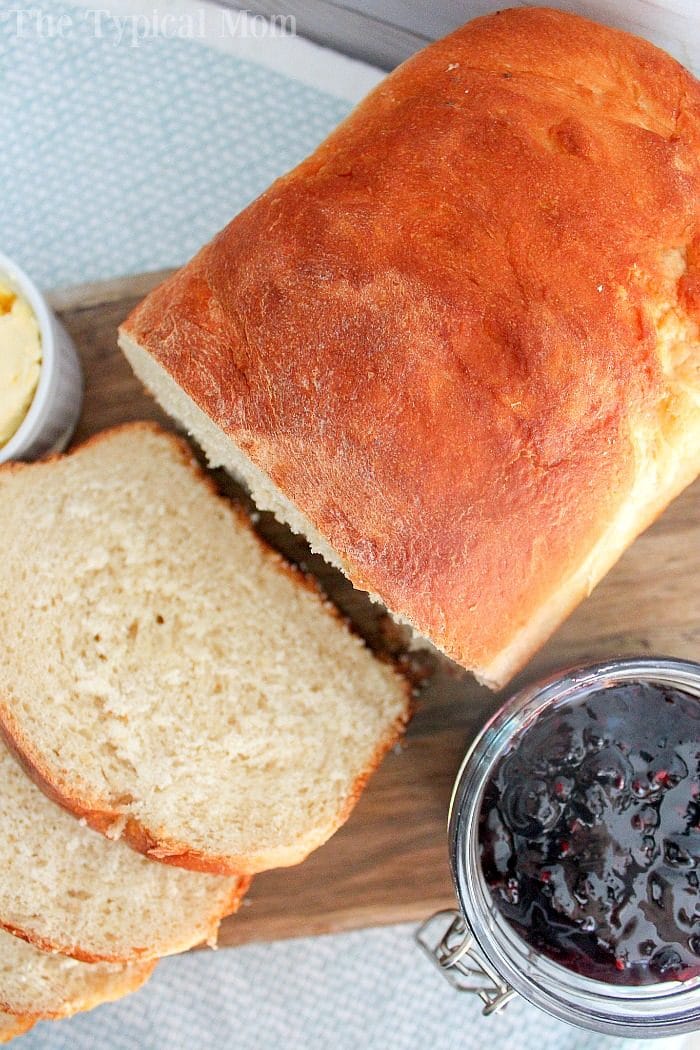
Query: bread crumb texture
(169, 677)
(66, 889)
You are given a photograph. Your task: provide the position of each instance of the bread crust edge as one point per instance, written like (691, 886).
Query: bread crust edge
(103, 818)
(134, 977)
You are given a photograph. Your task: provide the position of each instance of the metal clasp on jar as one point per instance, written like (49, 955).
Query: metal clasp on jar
(449, 944)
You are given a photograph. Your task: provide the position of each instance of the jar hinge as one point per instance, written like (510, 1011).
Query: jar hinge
(458, 958)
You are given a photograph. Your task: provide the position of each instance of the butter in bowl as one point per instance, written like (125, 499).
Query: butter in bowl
(41, 384)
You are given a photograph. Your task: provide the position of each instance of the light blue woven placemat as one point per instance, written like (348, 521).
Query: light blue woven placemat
(117, 159)
(369, 990)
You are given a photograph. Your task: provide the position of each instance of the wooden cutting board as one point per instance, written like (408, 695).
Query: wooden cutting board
(389, 863)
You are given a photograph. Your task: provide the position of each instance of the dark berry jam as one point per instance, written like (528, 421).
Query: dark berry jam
(589, 835)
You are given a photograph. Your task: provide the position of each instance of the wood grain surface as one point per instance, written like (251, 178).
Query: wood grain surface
(389, 863)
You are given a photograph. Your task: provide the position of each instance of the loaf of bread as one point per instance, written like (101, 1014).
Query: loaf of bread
(64, 888)
(167, 676)
(35, 985)
(457, 347)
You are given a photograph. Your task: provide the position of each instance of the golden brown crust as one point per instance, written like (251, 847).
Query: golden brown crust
(249, 864)
(439, 335)
(103, 818)
(143, 425)
(138, 955)
(117, 987)
(11, 1026)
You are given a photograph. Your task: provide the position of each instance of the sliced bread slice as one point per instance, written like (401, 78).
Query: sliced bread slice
(64, 888)
(36, 985)
(166, 675)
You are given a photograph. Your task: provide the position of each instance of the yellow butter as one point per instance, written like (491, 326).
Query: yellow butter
(20, 360)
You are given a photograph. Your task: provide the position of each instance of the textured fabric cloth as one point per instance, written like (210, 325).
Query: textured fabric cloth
(121, 155)
(369, 990)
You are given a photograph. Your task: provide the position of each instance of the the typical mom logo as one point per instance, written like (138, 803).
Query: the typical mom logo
(133, 29)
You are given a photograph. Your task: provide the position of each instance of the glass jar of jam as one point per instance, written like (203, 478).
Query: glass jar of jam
(574, 835)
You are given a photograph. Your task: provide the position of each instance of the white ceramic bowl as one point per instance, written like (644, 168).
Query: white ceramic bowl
(55, 408)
